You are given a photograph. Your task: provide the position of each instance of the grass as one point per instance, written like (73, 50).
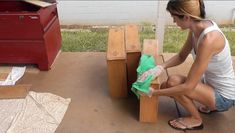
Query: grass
(73, 41)
(174, 38)
(95, 39)
(231, 38)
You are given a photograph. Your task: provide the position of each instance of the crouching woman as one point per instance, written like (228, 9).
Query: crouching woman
(211, 79)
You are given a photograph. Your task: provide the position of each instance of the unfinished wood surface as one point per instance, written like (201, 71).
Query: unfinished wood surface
(4, 72)
(116, 44)
(149, 105)
(132, 38)
(116, 63)
(117, 79)
(29, 69)
(14, 91)
(3, 76)
(150, 47)
(5, 69)
(133, 50)
(132, 64)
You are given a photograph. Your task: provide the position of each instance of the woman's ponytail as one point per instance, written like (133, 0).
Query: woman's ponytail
(202, 9)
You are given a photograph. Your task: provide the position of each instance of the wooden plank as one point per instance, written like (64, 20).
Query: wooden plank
(5, 69)
(116, 63)
(29, 69)
(117, 79)
(150, 47)
(133, 51)
(132, 64)
(132, 38)
(4, 72)
(116, 44)
(149, 105)
(14, 91)
(3, 76)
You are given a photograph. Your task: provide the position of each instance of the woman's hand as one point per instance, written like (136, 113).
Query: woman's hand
(156, 71)
(150, 94)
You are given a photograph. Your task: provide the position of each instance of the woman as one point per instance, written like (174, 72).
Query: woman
(211, 79)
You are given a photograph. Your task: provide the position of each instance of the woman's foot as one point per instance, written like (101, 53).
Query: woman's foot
(205, 110)
(186, 123)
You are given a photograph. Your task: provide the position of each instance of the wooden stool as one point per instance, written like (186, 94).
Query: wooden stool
(149, 106)
(116, 63)
(133, 50)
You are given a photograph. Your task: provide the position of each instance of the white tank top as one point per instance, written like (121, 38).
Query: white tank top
(219, 73)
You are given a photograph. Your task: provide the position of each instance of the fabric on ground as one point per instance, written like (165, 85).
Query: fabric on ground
(15, 74)
(37, 113)
(146, 62)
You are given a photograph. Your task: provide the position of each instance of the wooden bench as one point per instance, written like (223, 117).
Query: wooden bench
(116, 63)
(123, 55)
(133, 51)
(149, 105)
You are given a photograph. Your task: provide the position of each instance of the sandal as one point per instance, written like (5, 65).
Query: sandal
(185, 127)
(206, 110)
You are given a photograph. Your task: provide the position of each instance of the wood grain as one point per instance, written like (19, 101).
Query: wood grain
(14, 91)
(116, 63)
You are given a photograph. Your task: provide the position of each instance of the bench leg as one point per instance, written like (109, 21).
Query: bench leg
(149, 106)
(148, 109)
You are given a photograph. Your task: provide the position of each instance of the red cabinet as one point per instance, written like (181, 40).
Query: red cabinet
(29, 34)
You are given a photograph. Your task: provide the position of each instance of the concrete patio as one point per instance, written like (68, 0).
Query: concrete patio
(82, 76)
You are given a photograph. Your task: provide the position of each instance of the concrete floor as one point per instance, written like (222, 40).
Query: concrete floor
(83, 78)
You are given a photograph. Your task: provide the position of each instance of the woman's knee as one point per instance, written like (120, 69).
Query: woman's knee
(175, 80)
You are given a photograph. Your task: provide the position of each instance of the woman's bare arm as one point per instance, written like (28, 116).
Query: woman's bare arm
(206, 49)
(182, 55)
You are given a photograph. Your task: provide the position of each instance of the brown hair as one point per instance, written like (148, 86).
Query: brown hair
(193, 8)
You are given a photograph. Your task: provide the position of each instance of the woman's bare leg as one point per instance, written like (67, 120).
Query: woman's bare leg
(202, 93)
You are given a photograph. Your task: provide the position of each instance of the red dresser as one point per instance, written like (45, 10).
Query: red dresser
(29, 33)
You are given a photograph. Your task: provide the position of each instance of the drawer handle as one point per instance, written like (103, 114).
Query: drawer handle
(21, 17)
(33, 17)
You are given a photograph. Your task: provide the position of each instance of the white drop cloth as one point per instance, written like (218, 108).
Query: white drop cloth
(37, 113)
(15, 74)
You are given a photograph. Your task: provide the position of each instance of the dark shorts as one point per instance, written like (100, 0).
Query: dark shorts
(222, 103)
